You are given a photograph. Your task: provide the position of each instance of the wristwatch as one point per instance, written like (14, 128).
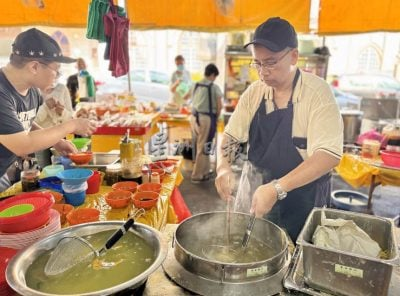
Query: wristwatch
(279, 190)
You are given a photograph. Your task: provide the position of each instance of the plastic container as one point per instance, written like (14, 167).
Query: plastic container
(154, 187)
(113, 173)
(391, 158)
(41, 202)
(81, 157)
(155, 177)
(80, 143)
(126, 185)
(118, 199)
(370, 148)
(145, 200)
(63, 210)
(58, 197)
(94, 183)
(53, 183)
(84, 215)
(52, 170)
(75, 176)
(30, 180)
(349, 200)
(75, 194)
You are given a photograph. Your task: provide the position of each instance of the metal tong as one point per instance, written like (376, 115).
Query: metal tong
(249, 229)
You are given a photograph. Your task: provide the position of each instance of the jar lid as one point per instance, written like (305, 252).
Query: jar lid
(113, 167)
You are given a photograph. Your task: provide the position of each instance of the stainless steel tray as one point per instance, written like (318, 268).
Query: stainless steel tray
(347, 273)
(100, 160)
(294, 280)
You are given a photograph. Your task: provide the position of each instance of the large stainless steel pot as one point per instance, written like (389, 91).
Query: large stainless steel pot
(199, 231)
(351, 125)
(16, 270)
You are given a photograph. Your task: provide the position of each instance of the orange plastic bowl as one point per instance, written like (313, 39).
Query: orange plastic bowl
(118, 199)
(81, 157)
(83, 215)
(58, 197)
(391, 158)
(145, 200)
(63, 210)
(154, 187)
(126, 186)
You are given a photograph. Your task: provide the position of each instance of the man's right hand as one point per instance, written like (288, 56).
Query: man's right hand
(224, 183)
(84, 127)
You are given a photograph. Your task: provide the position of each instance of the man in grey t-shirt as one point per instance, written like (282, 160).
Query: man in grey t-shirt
(34, 64)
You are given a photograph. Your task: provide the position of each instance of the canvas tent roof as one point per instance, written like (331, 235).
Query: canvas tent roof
(203, 15)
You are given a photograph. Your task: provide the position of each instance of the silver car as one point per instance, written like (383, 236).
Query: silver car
(147, 85)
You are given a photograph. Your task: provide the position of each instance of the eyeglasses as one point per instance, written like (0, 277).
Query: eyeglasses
(58, 73)
(271, 65)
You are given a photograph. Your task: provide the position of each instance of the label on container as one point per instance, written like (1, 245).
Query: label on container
(347, 270)
(261, 270)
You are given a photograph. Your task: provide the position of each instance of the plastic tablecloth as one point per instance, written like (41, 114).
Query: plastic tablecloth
(359, 171)
(156, 217)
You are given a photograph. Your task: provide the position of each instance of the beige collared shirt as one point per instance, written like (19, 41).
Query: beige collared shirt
(316, 114)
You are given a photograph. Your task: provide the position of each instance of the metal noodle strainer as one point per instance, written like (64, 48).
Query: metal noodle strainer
(71, 251)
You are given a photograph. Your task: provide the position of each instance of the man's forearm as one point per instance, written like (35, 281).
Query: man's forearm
(309, 170)
(227, 152)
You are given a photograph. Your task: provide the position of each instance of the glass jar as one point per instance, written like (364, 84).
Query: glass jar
(30, 180)
(113, 172)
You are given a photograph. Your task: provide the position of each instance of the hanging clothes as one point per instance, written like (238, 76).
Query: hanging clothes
(116, 27)
(95, 23)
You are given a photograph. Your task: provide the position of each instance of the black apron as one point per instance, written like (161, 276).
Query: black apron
(272, 150)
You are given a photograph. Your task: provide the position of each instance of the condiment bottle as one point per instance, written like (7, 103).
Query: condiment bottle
(155, 177)
(30, 180)
(113, 172)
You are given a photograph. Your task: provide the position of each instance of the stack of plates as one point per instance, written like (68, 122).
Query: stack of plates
(23, 239)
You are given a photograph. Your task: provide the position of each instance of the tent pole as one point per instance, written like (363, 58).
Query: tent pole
(123, 3)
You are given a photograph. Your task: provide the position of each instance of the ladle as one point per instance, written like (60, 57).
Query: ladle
(249, 229)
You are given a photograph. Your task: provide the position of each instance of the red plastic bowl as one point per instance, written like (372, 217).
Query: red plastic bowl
(126, 185)
(41, 201)
(391, 158)
(145, 200)
(81, 157)
(154, 187)
(118, 198)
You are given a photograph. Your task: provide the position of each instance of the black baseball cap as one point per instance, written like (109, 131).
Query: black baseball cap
(275, 34)
(36, 44)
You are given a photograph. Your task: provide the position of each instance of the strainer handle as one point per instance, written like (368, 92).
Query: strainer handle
(118, 234)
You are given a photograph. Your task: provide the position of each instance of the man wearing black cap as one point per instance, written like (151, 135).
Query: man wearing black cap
(293, 128)
(34, 64)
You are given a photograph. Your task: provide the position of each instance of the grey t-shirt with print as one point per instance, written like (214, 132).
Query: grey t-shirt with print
(17, 113)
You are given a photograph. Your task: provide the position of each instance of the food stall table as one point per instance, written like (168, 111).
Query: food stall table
(358, 171)
(156, 217)
(106, 141)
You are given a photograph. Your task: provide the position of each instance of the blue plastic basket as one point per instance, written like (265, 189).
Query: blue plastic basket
(75, 176)
(52, 183)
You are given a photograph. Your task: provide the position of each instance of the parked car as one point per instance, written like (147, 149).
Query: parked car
(369, 85)
(346, 101)
(147, 85)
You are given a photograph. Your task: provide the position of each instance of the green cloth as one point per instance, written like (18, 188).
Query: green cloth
(95, 23)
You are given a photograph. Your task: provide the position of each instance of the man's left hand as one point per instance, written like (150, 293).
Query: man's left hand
(64, 147)
(264, 199)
